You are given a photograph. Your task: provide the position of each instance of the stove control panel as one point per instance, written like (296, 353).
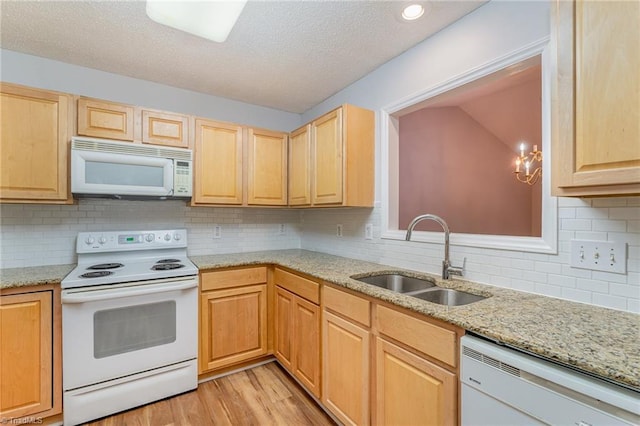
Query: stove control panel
(97, 241)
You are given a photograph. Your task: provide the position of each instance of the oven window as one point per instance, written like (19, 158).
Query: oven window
(121, 330)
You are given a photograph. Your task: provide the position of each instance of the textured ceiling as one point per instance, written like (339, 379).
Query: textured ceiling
(288, 55)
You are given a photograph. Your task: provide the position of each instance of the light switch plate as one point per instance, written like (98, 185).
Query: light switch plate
(368, 231)
(604, 256)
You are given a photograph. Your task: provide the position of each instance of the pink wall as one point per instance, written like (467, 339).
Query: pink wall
(453, 167)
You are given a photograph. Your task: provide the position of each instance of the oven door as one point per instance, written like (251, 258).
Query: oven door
(118, 330)
(106, 173)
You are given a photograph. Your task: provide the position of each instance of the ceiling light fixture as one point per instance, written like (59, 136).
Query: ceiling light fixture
(212, 20)
(412, 12)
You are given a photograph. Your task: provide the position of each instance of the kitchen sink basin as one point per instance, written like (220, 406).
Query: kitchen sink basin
(398, 282)
(449, 297)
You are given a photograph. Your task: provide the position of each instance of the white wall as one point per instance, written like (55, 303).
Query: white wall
(492, 31)
(44, 73)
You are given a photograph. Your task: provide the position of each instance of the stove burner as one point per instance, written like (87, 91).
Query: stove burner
(169, 261)
(96, 274)
(167, 266)
(106, 266)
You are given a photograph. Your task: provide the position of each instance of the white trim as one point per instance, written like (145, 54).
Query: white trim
(548, 243)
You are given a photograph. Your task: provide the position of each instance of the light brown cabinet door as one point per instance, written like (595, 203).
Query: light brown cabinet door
(297, 338)
(34, 139)
(345, 370)
(102, 119)
(284, 327)
(26, 354)
(300, 167)
(267, 167)
(163, 128)
(327, 159)
(596, 99)
(411, 390)
(306, 349)
(218, 163)
(233, 326)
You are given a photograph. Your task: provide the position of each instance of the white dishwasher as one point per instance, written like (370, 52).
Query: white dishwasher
(502, 386)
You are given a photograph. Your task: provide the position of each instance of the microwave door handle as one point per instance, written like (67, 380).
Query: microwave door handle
(94, 296)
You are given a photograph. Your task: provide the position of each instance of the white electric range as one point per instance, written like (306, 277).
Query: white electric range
(129, 320)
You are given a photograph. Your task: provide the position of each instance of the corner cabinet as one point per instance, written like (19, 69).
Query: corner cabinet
(30, 353)
(233, 317)
(332, 160)
(596, 98)
(35, 129)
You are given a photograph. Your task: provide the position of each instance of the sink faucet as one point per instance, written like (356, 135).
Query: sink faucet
(447, 268)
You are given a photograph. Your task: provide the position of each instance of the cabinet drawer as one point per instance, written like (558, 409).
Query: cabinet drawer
(347, 304)
(303, 287)
(233, 278)
(430, 339)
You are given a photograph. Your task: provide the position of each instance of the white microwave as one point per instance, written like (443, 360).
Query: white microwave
(115, 169)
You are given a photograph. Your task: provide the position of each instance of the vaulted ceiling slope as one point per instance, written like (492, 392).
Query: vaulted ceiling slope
(287, 55)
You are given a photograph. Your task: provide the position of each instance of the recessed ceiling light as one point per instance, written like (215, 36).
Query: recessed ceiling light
(412, 12)
(212, 20)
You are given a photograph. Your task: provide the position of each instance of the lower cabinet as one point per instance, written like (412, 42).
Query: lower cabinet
(30, 356)
(233, 317)
(346, 352)
(410, 390)
(412, 378)
(297, 328)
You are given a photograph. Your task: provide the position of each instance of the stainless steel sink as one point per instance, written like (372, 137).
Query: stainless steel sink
(398, 282)
(449, 297)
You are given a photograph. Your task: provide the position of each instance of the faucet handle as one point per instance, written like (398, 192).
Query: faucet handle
(456, 270)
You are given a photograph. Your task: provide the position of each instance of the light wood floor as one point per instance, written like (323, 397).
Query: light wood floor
(264, 395)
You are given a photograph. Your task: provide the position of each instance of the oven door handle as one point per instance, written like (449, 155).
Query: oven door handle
(93, 296)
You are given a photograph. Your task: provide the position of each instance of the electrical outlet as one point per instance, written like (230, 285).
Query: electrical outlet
(217, 231)
(281, 229)
(604, 256)
(368, 231)
(338, 230)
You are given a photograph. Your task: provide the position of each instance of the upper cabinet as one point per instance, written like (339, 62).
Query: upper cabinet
(235, 165)
(266, 167)
(218, 163)
(342, 158)
(300, 167)
(102, 119)
(111, 120)
(35, 127)
(163, 128)
(596, 99)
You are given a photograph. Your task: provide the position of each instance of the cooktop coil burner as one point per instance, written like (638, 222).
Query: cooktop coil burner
(96, 274)
(168, 261)
(106, 266)
(167, 266)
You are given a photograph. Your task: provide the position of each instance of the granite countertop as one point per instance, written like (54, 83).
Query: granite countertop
(597, 340)
(33, 275)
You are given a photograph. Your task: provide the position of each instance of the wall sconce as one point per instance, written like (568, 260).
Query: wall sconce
(530, 177)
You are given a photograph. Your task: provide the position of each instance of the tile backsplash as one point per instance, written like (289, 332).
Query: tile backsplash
(603, 219)
(45, 235)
